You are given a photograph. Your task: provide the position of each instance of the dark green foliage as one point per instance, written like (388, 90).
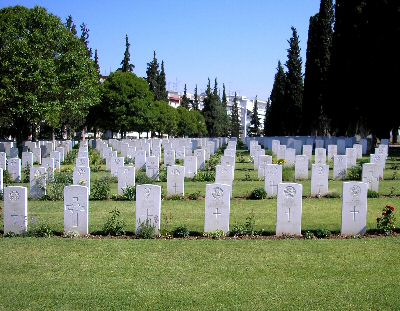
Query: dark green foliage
(195, 104)
(255, 124)
(294, 87)
(69, 24)
(322, 233)
(258, 194)
(41, 230)
(162, 176)
(55, 188)
(194, 196)
(373, 194)
(190, 123)
(354, 173)
(386, 223)
(308, 235)
(248, 228)
(100, 189)
(142, 178)
(152, 73)
(205, 176)
(146, 230)
(95, 160)
(26, 171)
(267, 117)
(185, 102)
(235, 121)
(126, 65)
(224, 99)
(129, 193)
(180, 232)
(70, 157)
(332, 195)
(96, 60)
(161, 93)
(114, 225)
(85, 38)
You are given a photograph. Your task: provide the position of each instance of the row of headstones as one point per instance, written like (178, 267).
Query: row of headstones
(217, 208)
(297, 142)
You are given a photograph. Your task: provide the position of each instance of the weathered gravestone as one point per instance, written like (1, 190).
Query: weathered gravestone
(148, 206)
(319, 179)
(200, 154)
(37, 181)
(289, 209)
(370, 176)
(15, 210)
(126, 178)
(48, 164)
(169, 157)
(380, 161)
(190, 163)
(27, 159)
(3, 160)
(76, 209)
(13, 152)
(224, 174)
(14, 168)
(358, 148)
(82, 162)
(176, 180)
(339, 167)
(301, 167)
(217, 207)
(81, 176)
(320, 156)
(37, 155)
(153, 167)
(273, 176)
(354, 209)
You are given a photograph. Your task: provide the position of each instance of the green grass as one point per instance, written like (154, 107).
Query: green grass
(80, 274)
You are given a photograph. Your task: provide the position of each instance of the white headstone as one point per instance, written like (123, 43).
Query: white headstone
(200, 154)
(15, 210)
(301, 167)
(354, 209)
(224, 174)
(370, 176)
(126, 178)
(37, 155)
(176, 180)
(148, 206)
(339, 167)
(290, 157)
(319, 179)
(13, 152)
(190, 163)
(27, 159)
(37, 178)
(153, 167)
(217, 207)
(14, 168)
(3, 160)
(140, 159)
(359, 152)
(57, 159)
(81, 176)
(281, 152)
(263, 160)
(116, 163)
(76, 209)
(351, 154)
(82, 162)
(169, 157)
(332, 151)
(320, 156)
(307, 150)
(289, 209)
(275, 146)
(273, 177)
(48, 164)
(380, 161)
(1, 180)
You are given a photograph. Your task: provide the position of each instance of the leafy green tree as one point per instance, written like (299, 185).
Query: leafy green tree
(235, 125)
(126, 65)
(275, 122)
(185, 103)
(161, 93)
(195, 104)
(294, 86)
(191, 123)
(165, 118)
(255, 124)
(47, 77)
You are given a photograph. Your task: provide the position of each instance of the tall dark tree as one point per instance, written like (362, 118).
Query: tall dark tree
(319, 47)
(152, 73)
(255, 124)
(275, 121)
(126, 65)
(266, 117)
(294, 86)
(96, 60)
(85, 38)
(235, 121)
(195, 105)
(161, 90)
(70, 25)
(224, 100)
(185, 102)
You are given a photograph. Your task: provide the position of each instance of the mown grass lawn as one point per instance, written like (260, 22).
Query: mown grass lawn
(107, 274)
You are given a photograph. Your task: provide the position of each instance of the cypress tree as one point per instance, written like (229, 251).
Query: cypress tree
(85, 38)
(294, 87)
(196, 99)
(152, 73)
(255, 124)
(162, 93)
(96, 61)
(126, 66)
(235, 125)
(70, 25)
(266, 117)
(224, 100)
(185, 100)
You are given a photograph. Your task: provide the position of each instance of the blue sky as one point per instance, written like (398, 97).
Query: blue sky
(237, 41)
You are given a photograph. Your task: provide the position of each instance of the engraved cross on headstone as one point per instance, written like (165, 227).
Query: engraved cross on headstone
(354, 212)
(75, 207)
(217, 212)
(175, 186)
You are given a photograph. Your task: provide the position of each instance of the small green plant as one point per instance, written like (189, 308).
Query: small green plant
(129, 193)
(95, 160)
(142, 178)
(373, 194)
(386, 222)
(71, 156)
(308, 235)
(205, 176)
(394, 175)
(215, 235)
(26, 171)
(55, 188)
(354, 173)
(247, 177)
(7, 179)
(100, 189)
(258, 194)
(332, 195)
(163, 175)
(194, 196)
(175, 197)
(279, 161)
(180, 232)
(146, 230)
(114, 225)
(41, 230)
(322, 233)
(248, 228)
(287, 173)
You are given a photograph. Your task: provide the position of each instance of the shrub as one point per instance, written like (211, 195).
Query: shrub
(129, 193)
(114, 224)
(287, 173)
(308, 235)
(95, 160)
(180, 232)
(280, 161)
(213, 162)
(142, 178)
(163, 175)
(146, 230)
(205, 176)
(372, 194)
(258, 194)
(194, 196)
(70, 157)
(332, 195)
(100, 189)
(215, 235)
(385, 223)
(322, 233)
(7, 179)
(55, 188)
(248, 228)
(354, 173)
(242, 159)
(26, 172)
(41, 230)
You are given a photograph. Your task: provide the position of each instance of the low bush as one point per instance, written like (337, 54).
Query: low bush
(332, 195)
(100, 189)
(142, 178)
(258, 194)
(7, 179)
(41, 230)
(26, 172)
(114, 225)
(194, 196)
(180, 232)
(146, 230)
(354, 173)
(373, 194)
(205, 176)
(386, 223)
(248, 228)
(215, 235)
(322, 233)
(55, 188)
